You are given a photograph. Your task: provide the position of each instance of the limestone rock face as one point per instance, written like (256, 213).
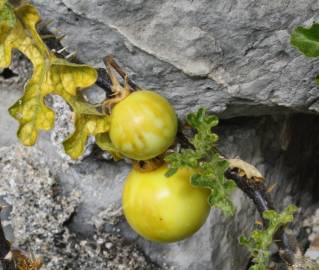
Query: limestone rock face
(232, 57)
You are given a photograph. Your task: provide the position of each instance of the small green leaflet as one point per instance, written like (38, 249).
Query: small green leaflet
(205, 159)
(260, 241)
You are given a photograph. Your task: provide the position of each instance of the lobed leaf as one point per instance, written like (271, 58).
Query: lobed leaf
(205, 159)
(51, 75)
(260, 241)
(85, 125)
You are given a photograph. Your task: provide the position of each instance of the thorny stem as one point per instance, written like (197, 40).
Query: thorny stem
(103, 81)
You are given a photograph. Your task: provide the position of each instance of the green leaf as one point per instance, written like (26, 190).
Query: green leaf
(171, 172)
(200, 119)
(270, 215)
(306, 40)
(243, 240)
(291, 209)
(204, 158)
(257, 267)
(200, 180)
(229, 186)
(186, 158)
(225, 204)
(260, 241)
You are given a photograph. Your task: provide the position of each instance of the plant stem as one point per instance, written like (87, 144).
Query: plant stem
(257, 192)
(103, 81)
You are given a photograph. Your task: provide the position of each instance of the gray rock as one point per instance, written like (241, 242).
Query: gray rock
(233, 57)
(41, 210)
(230, 54)
(64, 127)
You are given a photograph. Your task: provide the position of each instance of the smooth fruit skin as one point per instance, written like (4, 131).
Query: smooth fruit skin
(163, 209)
(143, 125)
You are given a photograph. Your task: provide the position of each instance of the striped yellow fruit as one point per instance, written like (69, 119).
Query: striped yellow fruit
(164, 209)
(143, 125)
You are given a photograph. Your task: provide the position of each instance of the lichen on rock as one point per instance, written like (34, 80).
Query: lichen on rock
(41, 211)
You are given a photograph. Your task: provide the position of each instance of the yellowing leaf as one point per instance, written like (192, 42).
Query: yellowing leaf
(7, 21)
(51, 75)
(85, 125)
(104, 142)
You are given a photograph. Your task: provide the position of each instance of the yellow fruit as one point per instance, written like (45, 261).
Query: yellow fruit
(164, 209)
(143, 125)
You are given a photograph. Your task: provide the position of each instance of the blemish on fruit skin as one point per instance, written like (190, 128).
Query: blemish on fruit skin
(127, 147)
(158, 123)
(152, 139)
(139, 142)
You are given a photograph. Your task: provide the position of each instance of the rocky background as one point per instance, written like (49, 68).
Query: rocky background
(233, 57)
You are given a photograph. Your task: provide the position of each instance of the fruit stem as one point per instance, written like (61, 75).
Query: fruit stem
(148, 165)
(119, 92)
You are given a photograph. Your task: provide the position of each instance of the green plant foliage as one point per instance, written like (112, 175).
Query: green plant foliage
(260, 241)
(205, 159)
(51, 75)
(306, 40)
